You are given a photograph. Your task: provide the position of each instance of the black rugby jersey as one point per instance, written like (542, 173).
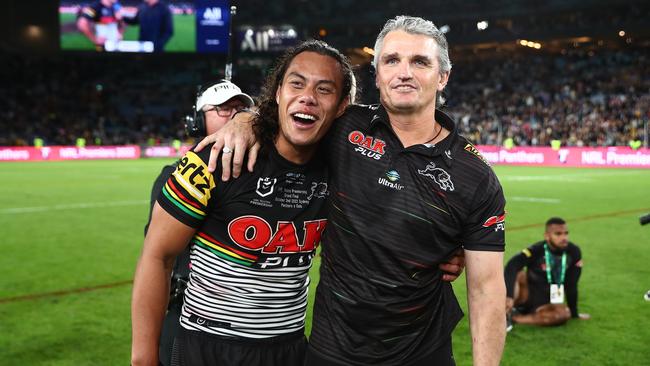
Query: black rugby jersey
(254, 246)
(99, 13)
(539, 291)
(394, 215)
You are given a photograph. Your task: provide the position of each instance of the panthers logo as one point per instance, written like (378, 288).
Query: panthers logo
(440, 176)
(318, 190)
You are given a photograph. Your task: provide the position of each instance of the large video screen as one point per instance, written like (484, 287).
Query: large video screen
(144, 25)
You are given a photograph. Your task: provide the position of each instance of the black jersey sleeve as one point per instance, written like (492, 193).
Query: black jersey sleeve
(91, 12)
(189, 190)
(573, 275)
(158, 184)
(484, 229)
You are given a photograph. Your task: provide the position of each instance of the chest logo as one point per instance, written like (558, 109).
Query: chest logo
(368, 146)
(318, 190)
(391, 180)
(439, 175)
(474, 151)
(265, 186)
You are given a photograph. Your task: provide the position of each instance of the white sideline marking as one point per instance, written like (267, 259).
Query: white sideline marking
(19, 210)
(534, 199)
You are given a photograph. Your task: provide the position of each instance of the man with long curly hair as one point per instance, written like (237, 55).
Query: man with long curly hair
(253, 239)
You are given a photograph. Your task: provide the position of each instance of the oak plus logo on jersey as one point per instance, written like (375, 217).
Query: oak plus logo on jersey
(391, 180)
(265, 186)
(439, 175)
(368, 146)
(255, 233)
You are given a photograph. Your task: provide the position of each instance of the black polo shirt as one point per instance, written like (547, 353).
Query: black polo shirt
(395, 214)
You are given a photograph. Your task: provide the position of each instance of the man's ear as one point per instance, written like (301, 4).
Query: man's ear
(277, 94)
(444, 78)
(342, 105)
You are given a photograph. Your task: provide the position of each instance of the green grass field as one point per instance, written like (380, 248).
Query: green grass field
(72, 231)
(183, 40)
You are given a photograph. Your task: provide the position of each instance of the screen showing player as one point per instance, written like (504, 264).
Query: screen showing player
(144, 25)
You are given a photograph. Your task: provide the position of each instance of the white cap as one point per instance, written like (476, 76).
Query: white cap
(220, 93)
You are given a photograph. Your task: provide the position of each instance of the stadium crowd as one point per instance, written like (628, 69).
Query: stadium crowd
(580, 98)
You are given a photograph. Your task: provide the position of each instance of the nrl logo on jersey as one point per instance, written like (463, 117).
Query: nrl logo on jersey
(265, 186)
(368, 146)
(474, 151)
(439, 175)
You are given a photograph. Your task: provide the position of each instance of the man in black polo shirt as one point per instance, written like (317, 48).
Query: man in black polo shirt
(156, 23)
(406, 192)
(553, 268)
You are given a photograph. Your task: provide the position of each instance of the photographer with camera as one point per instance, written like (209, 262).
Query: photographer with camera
(214, 107)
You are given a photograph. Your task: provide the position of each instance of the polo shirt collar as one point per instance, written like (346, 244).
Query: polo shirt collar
(444, 147)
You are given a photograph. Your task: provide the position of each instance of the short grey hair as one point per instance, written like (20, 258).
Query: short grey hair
(415, 25)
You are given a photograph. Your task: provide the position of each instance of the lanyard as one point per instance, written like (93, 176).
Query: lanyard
(547, 256)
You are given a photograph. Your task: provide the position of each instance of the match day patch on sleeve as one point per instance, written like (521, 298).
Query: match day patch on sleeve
(192, 174)
(474, 151)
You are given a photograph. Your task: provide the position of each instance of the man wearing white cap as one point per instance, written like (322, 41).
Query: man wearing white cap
(214, 107)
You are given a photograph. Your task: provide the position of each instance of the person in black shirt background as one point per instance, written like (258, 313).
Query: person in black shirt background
(156, 23)
(537, 296)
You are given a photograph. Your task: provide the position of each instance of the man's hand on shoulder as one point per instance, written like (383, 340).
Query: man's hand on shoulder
(232, 142)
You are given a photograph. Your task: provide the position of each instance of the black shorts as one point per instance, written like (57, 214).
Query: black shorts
(193, 348)
(442, 356)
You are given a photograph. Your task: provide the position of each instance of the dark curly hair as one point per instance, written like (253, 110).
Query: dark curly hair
(266, 124)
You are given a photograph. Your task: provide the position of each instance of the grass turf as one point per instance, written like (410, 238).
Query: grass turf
(69, 227)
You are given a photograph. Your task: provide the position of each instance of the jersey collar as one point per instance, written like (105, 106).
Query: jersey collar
(444, 147)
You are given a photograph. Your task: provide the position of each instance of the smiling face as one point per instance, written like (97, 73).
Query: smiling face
(309, 99)
(408, 73)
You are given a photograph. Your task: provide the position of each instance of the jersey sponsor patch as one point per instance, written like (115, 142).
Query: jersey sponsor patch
(192, 174)
(439, 175)
(474, 151)
(368, 146)
(499, 222)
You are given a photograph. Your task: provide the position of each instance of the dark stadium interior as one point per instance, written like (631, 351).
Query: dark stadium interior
(587, 84)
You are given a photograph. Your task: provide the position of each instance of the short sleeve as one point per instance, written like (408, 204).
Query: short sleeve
(91, 12)
(485, 227)
(188, 192)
